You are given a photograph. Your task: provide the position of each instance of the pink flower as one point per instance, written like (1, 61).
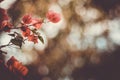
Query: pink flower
(53, 16)
(27, 19)
(37, 23)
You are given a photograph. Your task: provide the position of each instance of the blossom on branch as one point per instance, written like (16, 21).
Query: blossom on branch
(28, 26)
(25, 31)
(3, 17)
(33, 38)
(27, 19)
(53, 16)
(37, 23)
(6, 26)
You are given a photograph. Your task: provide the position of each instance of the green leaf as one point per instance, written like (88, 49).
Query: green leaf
(41, 39)
(34, 30)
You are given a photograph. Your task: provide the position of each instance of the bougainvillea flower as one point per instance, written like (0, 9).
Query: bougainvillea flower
(6, 26)
(3, 16)
(33, 38)
(27, 19)
(25, 31)
(16, 67)
(37, 23)
(53, 16)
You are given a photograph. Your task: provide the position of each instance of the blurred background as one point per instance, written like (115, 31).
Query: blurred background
(84, 45)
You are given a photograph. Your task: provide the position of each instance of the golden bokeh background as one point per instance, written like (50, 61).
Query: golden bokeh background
(84, 45)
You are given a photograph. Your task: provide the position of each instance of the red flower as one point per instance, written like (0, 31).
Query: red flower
(33, 38)
(16, 67)
(27, 19)
(53, 17)
(3, 16)
(25, 31)
(6, 26)
(37, 23)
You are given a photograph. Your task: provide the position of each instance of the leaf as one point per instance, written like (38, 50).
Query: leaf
(41, 39)
(16, 42)
(19, 37)
(13, 35)
(17, 33)
(34, 31)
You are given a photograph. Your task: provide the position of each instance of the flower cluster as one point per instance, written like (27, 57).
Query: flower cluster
(28, 26)
(27, 22)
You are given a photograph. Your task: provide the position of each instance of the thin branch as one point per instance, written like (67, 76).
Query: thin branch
(2, 46)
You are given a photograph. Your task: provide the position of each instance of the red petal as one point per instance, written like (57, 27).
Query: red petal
(3, 16)
(27, 19)
(53, 16)
(25, 31)
(33, 38)
(16, 67)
